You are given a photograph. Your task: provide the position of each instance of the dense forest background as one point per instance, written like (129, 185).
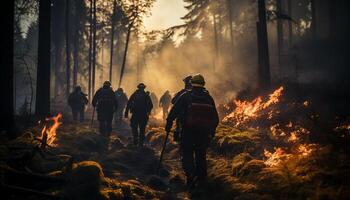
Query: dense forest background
(306, 42)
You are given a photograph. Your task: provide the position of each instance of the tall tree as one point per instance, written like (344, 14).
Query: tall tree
(113, 19)
(94, 21)
(42, 106)
(290, 25)
(229, 8)
(90, 49)
(68, 71)
(279, 33)
(125, 54)
(313, 19)
(263, 47)
(216, 43)
(58, 43)
(76, 43)
(6, 63)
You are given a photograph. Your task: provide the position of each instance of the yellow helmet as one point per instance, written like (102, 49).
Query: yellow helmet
(198, 80)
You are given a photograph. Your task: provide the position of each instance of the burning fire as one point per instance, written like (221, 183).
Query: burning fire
(48, 133)
(293, 137)
(274, 158)
(247, 110)
(159, 115)
(305, 149)
(343, 127)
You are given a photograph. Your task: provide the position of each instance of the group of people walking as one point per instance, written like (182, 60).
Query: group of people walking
(193, 110)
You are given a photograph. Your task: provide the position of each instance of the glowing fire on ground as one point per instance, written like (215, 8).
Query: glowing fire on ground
(274, 158)
(343, 127)
(247, 110)
(48, 133)
(159, 115)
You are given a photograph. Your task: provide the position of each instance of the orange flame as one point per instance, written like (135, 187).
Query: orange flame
(246, 110)
(49, 133)
(159, 115)
(305, 149)
(274, 158)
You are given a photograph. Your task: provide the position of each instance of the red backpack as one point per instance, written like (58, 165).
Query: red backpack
(200, 116)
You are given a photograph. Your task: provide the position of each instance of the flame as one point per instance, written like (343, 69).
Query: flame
(305, 149)
(343, 127)
(293, 137)
(247, 110)
(159, 115)
(49, 133)
(274, 158)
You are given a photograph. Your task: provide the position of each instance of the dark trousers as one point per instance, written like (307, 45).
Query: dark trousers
(138, 126)
(194, 146)
(76, 112)
(165, 112)
(105, 120)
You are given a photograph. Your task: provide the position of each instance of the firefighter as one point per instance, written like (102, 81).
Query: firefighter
(154, 99)
(140, 106)
(122, 100)
(77, 101)
(106, 104)
(196, 108)
(188, 87)
(164, 102)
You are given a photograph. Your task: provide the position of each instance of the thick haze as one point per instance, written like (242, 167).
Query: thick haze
(165, 14)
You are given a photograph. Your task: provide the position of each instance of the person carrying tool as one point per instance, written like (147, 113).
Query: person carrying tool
(106, 103)
(140, 106)
(196, 108)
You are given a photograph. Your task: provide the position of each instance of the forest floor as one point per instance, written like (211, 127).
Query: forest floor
(292, 155)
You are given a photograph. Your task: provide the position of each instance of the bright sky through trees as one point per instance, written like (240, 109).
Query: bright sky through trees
(165, 14)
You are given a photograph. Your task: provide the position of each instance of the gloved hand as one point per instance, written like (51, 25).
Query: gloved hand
(168, 126)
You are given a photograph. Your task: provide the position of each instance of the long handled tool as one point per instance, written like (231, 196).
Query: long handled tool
(162, 152)
(93, 116)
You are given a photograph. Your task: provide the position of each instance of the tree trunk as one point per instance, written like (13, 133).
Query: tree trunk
(112, 41)
(290, 24)
(125, 54)
(138, 67)
(90, 51)
(215, 43)
(313, 20)
(279, 35)
(229, 7)
(6, 63)
(42, 107)
(94, 49)
(263, 48)
(332, 19)
(76, 47)
(58, 42)
(67, 50)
